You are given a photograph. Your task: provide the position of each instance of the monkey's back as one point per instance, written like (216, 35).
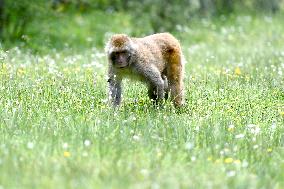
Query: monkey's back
(154, 48)
(165, 41)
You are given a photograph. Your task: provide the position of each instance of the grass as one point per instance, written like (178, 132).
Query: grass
(57, 131)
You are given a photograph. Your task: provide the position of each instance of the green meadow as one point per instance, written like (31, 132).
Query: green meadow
(58, 131)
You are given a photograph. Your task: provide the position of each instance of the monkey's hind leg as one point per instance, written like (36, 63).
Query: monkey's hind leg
(175, 71)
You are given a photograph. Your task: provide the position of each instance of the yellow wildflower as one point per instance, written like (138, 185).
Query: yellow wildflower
(66, 154)
(4, 65)
(231, 128)
(238, 71)
(237, 161)
(282, 113)
(4, 68)
(159, 154)
(20, 71)
(209, 158)
(229, 160)
(269, 150)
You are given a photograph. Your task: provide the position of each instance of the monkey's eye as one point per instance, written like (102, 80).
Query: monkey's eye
(122, 53)
(113, 56)
(125, 54)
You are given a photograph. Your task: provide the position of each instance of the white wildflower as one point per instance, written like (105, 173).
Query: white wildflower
(189, 146)
(65, 145)
(253, 129)
(231, 173)
(245, 164)
(87, 142)
(30, 145)
(144, 172)
(136, 137)
(239, 136)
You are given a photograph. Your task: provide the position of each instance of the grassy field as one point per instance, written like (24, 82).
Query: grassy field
(57, 131)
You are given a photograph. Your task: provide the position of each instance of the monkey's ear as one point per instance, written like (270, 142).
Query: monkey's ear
(133, 45)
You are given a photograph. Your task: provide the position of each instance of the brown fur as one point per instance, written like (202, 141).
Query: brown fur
(119, 40)
(154, 59)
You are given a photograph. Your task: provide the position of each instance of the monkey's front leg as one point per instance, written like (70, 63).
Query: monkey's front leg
(156, 89)
(114, 91)
(166, 87)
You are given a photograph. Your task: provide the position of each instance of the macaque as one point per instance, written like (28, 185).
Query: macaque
(155, 60)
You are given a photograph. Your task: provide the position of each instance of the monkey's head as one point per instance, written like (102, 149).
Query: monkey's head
(119, 49)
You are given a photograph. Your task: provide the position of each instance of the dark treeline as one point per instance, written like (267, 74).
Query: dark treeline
(15, 15)
(207, 7)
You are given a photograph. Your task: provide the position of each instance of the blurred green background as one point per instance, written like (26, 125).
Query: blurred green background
(42, 25)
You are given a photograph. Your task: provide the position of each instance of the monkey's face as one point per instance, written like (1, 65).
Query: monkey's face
(120, 59)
